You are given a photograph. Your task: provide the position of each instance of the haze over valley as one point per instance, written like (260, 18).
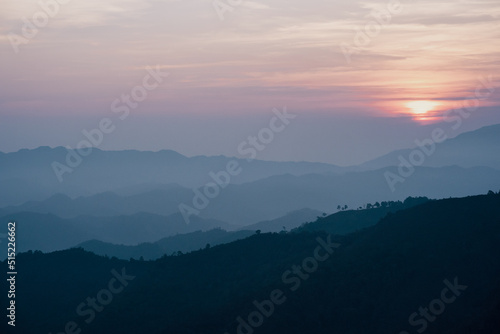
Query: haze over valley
(250, 167)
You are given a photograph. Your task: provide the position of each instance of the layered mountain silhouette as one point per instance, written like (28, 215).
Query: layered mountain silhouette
(340, 223)
(101, 171)
(181, 243)
(287, 222)
(29, 175)
(142, 234)
(432, 267)
(125, 198)
(276, 196)
(480, 148)
(47, 232)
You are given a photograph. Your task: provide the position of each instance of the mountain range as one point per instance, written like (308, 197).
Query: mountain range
(28, 175)
(274, 197)
(130, 197)
(439, 257)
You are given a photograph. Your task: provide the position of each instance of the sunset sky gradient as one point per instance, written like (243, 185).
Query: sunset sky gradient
(227, 75)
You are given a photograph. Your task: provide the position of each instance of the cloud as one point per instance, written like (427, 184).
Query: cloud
(93, 50)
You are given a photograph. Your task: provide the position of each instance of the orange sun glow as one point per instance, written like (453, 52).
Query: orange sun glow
(421, 108)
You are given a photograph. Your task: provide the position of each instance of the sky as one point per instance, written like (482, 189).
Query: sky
(362, 77)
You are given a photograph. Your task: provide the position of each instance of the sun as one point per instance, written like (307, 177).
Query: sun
(421, 108)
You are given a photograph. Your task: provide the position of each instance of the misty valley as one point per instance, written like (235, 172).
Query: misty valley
(249, 167)
(157, 242)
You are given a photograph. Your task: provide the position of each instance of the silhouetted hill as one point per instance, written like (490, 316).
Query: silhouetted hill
(276, 196)
(161, 202)
(178, 243)
(28, 175)
(47, 232)
(374, 282)
(103, 171)
(289, 221)
(345, 222)
(479, 148)
(146, 250)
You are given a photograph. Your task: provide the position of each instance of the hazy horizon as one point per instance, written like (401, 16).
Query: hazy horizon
(364, 78)
(358, 150)
(390, 223)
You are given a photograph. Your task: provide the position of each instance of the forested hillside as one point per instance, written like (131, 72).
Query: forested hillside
(371, 281)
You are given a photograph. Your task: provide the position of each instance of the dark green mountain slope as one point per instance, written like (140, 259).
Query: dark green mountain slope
(47, 232)
(373, 283)
(345, 222)
(177, 243)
